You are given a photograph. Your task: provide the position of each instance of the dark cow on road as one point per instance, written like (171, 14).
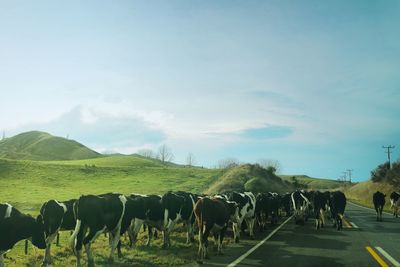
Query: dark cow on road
(286, 203)
(319, 203)
(16, 226)
(267, 206)
(300, 204)
(98, 214)
(395, 203)
(379, 202)
(337, 205)
(56, 216)
(212, 216)
(247, 208)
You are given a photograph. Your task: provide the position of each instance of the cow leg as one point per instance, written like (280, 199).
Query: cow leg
(58, 239)
(77, 247)
(236, 231)
(190, 233)
(150, 235)
(322, 214)
(220, 239)
(133, 231)
(93, 234)
(250, 225)
(47, 256)
(114, 240)
(1, 259)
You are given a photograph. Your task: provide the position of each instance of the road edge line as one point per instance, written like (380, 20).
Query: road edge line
(376, 257)
(238, 260)
(354, 225)
(371, 209)
(387, 256)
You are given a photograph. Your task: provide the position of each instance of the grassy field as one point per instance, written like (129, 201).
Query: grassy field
(361, 193)
(27, 184)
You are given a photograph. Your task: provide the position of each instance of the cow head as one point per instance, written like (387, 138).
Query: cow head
(38, 233)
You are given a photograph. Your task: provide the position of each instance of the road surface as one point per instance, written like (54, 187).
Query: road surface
(362, 242)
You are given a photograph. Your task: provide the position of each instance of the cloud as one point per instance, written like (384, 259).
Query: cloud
(268, 132)
(103, 132)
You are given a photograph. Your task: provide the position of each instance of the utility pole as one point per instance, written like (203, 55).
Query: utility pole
(4, 135)
(350, 171)
(344, 176)
(388, 152)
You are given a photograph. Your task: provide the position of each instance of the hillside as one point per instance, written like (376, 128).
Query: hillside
(249, 177)
(37, 145)
(313, 183)
(362, 192)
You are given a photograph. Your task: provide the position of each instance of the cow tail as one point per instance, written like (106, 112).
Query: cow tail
(77, 226)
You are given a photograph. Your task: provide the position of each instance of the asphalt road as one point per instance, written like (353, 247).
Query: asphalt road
(362, 242)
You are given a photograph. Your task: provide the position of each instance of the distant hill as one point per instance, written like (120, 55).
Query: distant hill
(36, 145)
(313, 183)
(249, 177)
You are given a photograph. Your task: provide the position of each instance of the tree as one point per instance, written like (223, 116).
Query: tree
(190, 160)
(272, 165)
(227, 163)
(147, 153)
(380, 172)
(165, 154)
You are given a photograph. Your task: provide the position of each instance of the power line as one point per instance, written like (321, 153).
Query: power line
(388, 152)
(350, 172)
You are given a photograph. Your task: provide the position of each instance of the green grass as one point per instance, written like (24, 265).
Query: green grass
(37, 145)
(361, 193)
(313, 183)
(27, 184)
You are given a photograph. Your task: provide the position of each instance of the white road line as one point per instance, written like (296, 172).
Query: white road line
(366, 208)
(354, 225)
(238, 260)
(387, 256)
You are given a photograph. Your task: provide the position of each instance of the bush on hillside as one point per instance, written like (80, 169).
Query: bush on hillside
(383, 173)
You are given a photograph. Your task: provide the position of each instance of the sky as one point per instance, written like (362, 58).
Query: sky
(314, 85)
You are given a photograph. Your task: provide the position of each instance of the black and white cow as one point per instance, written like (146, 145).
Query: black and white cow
(300, 204)
(173, 205)
(247, 208)
(337, 205)
(395, 203)
(140, 210)
(16, 226)
(379, 202)
(57, 215)
(319, 205)
(212, 216)
(98, 214)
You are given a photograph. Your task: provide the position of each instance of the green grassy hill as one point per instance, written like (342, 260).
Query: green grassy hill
(361, 193)
(37, 145)
(313, 183)
(27, 184)
(249, 177)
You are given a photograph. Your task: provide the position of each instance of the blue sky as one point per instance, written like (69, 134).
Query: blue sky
(312, 84)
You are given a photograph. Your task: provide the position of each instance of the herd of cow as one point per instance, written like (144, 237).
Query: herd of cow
(91, 215)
